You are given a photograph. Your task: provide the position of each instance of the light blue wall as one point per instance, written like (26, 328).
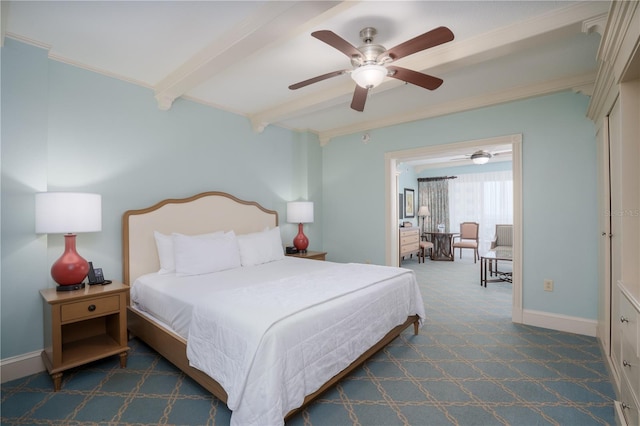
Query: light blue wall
(408, 179)
(70, 129)
(23, 156)
(559, 192)
(65, 128)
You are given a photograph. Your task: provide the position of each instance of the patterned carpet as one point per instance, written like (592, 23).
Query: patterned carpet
(469, 366)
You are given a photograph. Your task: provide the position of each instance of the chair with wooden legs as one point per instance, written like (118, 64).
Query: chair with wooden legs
(424, 246)
(468, 239)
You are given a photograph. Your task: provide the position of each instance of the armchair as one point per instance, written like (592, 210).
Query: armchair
(503, 240)
(503, 237)
(468, 239)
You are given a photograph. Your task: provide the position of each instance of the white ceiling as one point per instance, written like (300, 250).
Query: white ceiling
(241, 56)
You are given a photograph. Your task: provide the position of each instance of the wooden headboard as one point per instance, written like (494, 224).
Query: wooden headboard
(201, 213)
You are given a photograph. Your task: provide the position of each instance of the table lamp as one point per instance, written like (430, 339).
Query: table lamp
(68, 213)
(300, 212)
(423, 212)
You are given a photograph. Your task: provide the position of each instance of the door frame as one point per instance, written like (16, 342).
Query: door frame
(391, 160)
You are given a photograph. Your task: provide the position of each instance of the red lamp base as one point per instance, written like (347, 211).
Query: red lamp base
(71, 268)
(301, 242)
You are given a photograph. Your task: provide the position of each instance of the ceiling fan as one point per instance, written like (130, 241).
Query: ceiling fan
(370, 61)
(481, 156)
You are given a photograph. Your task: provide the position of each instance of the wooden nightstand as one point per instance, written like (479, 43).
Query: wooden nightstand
(315, 255)
(83, 326)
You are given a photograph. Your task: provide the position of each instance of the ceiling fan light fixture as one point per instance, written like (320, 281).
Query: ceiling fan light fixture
(480, 157)
(369, 76)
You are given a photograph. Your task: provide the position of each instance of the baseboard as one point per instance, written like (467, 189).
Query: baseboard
(560, 322)
(21, 366)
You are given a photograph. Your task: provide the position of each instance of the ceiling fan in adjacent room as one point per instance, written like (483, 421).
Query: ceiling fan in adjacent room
(371, 61)
(481, 156)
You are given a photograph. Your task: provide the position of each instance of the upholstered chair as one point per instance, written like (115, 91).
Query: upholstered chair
(468, 239)
(424, 246)
(503, 236)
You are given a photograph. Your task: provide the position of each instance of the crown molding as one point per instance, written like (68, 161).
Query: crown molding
(620, 40)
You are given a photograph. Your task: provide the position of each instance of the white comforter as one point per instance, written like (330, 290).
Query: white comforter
(271, 343)
(267, 364)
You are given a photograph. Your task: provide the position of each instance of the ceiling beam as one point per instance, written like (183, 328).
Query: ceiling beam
(452, 56)
(467, 104)
(271, 23)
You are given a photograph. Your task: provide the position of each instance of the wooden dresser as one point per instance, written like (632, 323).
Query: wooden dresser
(409, 243)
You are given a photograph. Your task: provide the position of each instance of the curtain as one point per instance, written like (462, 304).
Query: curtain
(486, 198)
(434, 193)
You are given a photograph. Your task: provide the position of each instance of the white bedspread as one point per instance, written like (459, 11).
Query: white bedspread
(170, 299)
(272, 344)
(274, 333)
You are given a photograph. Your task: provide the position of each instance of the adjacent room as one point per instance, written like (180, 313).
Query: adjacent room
(459, 209)
(251, 212)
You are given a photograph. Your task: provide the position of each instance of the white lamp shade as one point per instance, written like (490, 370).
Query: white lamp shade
(424, 211)
(368, 76)
(68, 212)
(300, 212)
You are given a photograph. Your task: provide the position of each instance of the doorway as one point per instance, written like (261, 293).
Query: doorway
(391, 201)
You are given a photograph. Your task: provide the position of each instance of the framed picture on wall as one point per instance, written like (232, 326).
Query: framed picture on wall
(400, 206)
(409, 203)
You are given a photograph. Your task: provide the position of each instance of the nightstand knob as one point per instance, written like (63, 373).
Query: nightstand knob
(92, 308)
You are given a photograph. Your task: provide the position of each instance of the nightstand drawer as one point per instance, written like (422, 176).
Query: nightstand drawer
(89, 308)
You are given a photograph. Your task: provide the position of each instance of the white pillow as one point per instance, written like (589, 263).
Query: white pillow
(164, 245)
(197, 255)
(260, 247)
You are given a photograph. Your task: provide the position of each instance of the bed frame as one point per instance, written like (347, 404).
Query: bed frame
(202, 213)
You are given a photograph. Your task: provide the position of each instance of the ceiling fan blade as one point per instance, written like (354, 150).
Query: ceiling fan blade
(337, 42)
(429, 39)
(316, 79)
(415, 77)
(359, 98)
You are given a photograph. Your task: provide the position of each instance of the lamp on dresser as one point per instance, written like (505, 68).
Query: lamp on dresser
(300, 212)
(68, 213)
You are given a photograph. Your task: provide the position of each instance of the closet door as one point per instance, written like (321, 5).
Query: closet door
(604, 245)
(625, 190)
(615, 247)
(624, 150)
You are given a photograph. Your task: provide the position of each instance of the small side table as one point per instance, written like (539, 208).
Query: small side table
(486, 265)
(315, 255)
(84, 325)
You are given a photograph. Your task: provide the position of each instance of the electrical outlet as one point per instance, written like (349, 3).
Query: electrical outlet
(548, 285)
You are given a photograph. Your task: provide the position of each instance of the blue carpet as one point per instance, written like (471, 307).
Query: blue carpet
(470, 365)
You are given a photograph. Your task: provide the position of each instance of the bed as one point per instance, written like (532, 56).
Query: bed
(264, 360)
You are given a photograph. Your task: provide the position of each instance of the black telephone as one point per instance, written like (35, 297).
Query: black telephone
(291, 250)
(95, 276)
